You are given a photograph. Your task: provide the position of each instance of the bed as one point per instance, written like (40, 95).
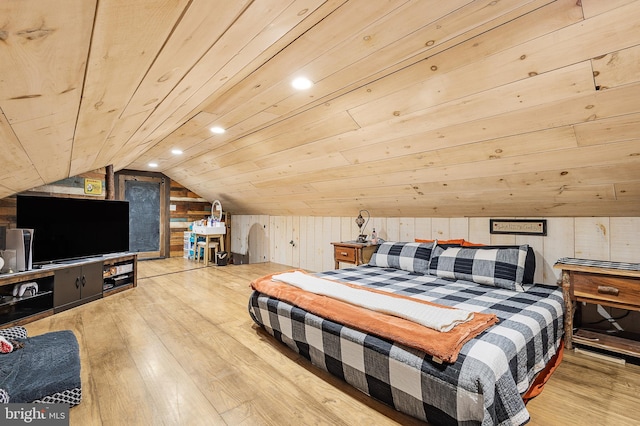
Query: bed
(484, 383)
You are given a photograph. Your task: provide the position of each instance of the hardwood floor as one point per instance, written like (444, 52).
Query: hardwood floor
(181, 349)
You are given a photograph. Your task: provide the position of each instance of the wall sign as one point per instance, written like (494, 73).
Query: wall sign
(518, 226)
(93, 186)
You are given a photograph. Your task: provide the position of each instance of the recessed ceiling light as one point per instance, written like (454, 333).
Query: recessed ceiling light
(218, 130)
(153, 164)
(301, 83)
(176, 151)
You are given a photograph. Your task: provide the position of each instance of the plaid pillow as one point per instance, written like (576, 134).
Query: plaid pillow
(529, 262)
(411, 257)
(503, 267)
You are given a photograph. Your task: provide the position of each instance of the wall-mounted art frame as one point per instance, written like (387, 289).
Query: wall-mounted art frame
(93, 186)
(518, 226)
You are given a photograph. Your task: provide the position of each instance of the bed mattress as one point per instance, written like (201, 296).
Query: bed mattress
(485, 384)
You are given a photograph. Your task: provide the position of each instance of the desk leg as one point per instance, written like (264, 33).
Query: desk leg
(569, 310)
(206, 251)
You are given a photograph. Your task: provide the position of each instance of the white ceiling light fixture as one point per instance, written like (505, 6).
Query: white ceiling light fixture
(176, 151)
(217, 130)
(153, 165)
(301, 83)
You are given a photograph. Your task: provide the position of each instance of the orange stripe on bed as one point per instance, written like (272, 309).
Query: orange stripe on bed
(443, 346)
(541, 379)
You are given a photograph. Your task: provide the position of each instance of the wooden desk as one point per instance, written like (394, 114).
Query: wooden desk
(352, 252)
(618, 288)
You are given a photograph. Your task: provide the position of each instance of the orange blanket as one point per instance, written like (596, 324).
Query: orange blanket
(443, 346)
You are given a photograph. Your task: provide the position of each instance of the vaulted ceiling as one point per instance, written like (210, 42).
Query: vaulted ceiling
(418, 108)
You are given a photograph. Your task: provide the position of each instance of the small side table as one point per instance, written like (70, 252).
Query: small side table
(606, 286)
(352, 252)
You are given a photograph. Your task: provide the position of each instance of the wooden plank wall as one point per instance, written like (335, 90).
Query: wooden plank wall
(188, 205)
(73, 187)
(8, 212)
(305, 241)
(250, 236)
(184, 207)
(70, 187)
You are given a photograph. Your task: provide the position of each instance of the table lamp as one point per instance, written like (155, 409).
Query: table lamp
(362, 238)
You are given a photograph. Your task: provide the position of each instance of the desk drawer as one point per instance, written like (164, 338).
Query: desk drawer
(344, 254)
(616, 289)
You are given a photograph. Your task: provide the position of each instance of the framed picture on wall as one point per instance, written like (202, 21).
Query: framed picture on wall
(518, 226)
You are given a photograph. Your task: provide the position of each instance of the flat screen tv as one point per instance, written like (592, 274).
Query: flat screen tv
(73, 228)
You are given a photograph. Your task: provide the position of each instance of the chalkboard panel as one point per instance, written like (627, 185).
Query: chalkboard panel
(144, 215)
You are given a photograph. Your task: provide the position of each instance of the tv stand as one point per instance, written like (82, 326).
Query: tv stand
(57, 288)
(119, 273)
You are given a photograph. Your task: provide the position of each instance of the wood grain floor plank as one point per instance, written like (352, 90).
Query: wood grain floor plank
(181, 349)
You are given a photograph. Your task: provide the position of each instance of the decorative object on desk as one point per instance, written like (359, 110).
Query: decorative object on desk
(362, 225)
(216, 206)
(518, 226)
(374, 236)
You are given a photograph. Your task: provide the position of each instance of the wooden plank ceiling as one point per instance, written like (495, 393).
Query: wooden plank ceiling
(418, 108)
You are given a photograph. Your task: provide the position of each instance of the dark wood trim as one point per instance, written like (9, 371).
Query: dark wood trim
(110, 183)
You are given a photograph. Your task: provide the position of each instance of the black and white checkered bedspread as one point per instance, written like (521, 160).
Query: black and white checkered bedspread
(485, 384)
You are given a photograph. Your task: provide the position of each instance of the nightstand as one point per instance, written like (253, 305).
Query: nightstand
(617, 288)
(352, 252)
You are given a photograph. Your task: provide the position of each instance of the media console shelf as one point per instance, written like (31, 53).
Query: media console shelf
(119, 273)
(611, 284)
(65, 285)
(20, 310)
